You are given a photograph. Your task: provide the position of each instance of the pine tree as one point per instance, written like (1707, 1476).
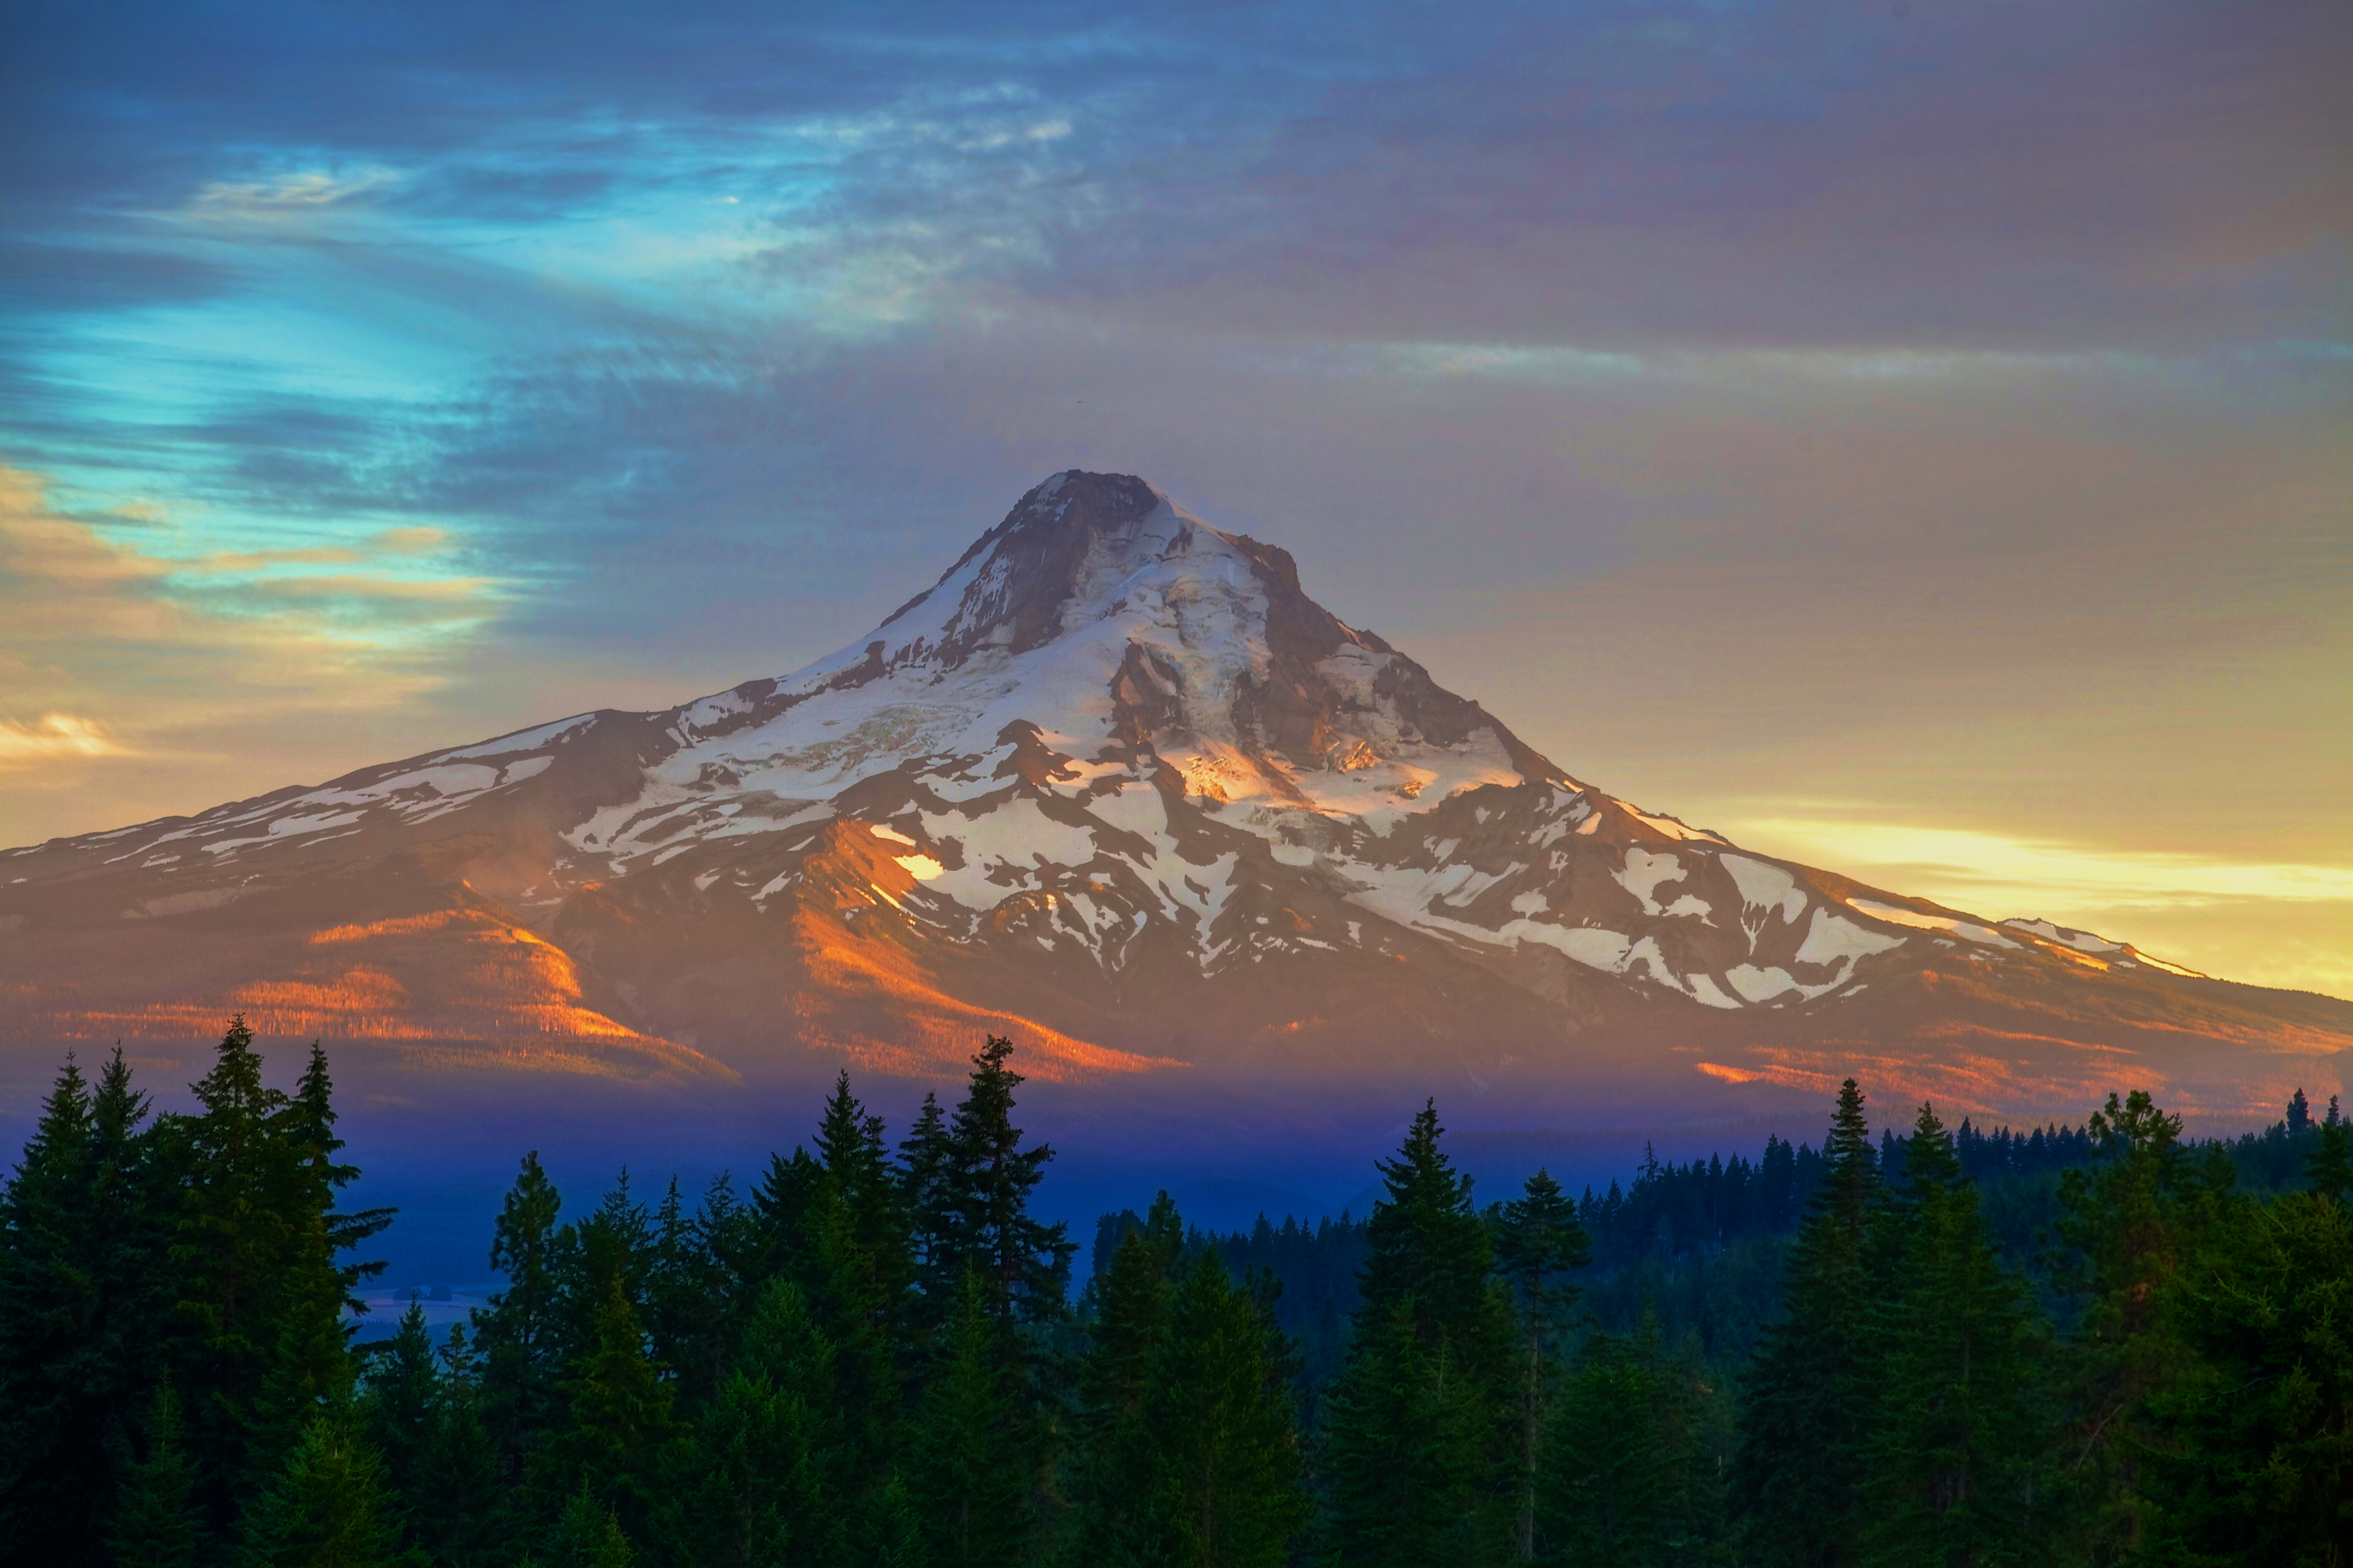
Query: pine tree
(155, 1522)
(1628, 1480)
(2128, 1225)
(51, 1462)
(2328, 1168)
(1537, 1240)
(1111, 1481)
(2251, 1460)
(620, 1441)
(856, 1275)
(971, 1462)
(1023, 1264)
(1807, 1396)
(233, 1246)
(1225, 1484)
(1434, 1349)
(1402, 1450)
(589, 1535)
(327, 1507)
(520, 1335)
(1952, 1464)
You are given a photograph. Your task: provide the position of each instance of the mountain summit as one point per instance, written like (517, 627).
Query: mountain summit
(1115, 785)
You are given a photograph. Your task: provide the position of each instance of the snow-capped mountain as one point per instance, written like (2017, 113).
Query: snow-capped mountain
(1114, 784)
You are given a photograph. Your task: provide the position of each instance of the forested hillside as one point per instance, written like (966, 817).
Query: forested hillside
(2092, 1344)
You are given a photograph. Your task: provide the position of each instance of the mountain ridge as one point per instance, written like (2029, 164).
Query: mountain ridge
(1115, 783)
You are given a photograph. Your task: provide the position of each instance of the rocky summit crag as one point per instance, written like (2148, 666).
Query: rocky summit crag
(1116, 786)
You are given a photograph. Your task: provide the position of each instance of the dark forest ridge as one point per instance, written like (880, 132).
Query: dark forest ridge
(872, 1357)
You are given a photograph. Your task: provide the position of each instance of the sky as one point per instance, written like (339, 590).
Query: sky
(1912, 438)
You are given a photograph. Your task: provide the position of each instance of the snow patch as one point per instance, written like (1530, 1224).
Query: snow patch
(1895, 914)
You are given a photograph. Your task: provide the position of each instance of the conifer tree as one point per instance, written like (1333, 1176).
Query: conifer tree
(520, 1335)
(1537, 1241)
(50, 1429)
(775, 1435)
(856, 1274)
(1627, 1478)
(619, 1440)
(155, 1522)
(2252, 1457)
(1419, 1435)
(2328, 1168)
(756, 1499)
(588, 1534)
(1401, 1451)
(457, 1504)
(928, 1187)
(1953, 1459)
(1112, 1458)
(2128, 1225)
(1225, 1487)
(1022, 1263)
(239, 1256)
(397, 1407)
(1808, 1391)
(327, 1507)
(971, 1462)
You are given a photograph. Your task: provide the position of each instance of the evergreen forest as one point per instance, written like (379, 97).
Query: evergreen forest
(1916, 1344)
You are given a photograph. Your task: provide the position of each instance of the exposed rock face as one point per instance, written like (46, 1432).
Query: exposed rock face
(1117, 785)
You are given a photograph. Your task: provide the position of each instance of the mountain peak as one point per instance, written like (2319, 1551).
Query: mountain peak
(1009, 588)
(1114, 782)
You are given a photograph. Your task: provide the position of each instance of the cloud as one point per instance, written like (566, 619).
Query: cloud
(302, 196)
(115, 657)
(2024, 870)
(56, 736)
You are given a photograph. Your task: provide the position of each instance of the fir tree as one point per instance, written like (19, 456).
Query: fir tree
(238, 1256)
(1537, 1241)
(1402, 1450)
(51, 1346)
(589, 1535)
(2328, 1168)
(520, 1335)
(1225, 1484)
(2249, 1459)
(1434, 1349)
(1953, 1460)
(1023, 1264)
(1808, 1395)
(155, 1523)
(457, 1502)
(2128, 1227)
(1626, 1477)
(397, 1405)
(327, 1507)
(620, 1441)
(1111, 1481)
(857, 1273)
(970, 1465)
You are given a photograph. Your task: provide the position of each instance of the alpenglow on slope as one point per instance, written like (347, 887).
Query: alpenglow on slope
(1116, 786)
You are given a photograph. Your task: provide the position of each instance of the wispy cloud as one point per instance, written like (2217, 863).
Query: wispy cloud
(301, 196)
(1979, 866)
(55, 735)
(112, 652)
